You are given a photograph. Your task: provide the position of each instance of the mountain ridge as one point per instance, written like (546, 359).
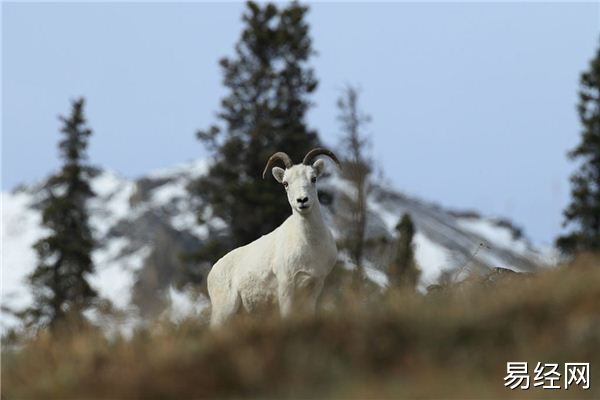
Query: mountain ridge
(144, 225)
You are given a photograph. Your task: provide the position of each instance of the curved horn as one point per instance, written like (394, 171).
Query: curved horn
(317, 152)
(280, 155)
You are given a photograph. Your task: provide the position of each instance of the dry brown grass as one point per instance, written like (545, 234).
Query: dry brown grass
(453, 343)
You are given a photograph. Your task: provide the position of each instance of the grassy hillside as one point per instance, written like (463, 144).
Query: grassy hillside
(452, 343)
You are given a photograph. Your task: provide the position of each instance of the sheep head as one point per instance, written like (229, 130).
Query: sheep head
(300, 180)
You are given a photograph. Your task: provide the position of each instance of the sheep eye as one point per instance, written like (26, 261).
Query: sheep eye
(313, 179)
(285, 184)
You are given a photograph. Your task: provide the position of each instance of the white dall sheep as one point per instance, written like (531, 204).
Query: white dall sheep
(287, 266)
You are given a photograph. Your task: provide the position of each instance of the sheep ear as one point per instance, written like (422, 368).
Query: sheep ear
(278, 173)
(319, 167)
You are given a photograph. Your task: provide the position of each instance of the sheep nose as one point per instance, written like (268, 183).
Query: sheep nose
(302, 200)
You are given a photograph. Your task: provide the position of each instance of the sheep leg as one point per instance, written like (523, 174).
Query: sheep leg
(299, 295)
(314, 296)
(222, 311)
(307, 290)
(285, 293)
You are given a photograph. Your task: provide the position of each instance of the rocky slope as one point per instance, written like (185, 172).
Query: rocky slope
(145, 226)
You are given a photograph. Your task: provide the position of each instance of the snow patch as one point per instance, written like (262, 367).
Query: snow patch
(184, 304)
(188, 221)
(21, 229)
(498, 235)
(115, 274)
(389, 218)
(192, 169)
(168, 192)
(432, 259)
(376, 276)
(111, 203)
(371, 272)
(334, 181)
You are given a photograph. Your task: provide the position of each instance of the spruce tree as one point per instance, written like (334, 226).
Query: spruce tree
(404, 271)
(59, 282)
(584, 210)
(268, 82)
(356, 168)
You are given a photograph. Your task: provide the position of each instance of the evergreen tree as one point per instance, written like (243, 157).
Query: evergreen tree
(59, 282)
(584, 209)
(356, 168)
(268, 82)
(403, 270)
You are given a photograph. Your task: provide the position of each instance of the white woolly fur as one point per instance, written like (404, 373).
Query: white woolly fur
(286, 267)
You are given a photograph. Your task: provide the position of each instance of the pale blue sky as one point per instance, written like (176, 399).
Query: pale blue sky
(473, 104)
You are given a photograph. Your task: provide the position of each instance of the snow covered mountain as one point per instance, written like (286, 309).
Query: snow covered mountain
(143, 227)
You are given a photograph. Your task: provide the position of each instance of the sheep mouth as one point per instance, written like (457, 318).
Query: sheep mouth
(305, 207)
